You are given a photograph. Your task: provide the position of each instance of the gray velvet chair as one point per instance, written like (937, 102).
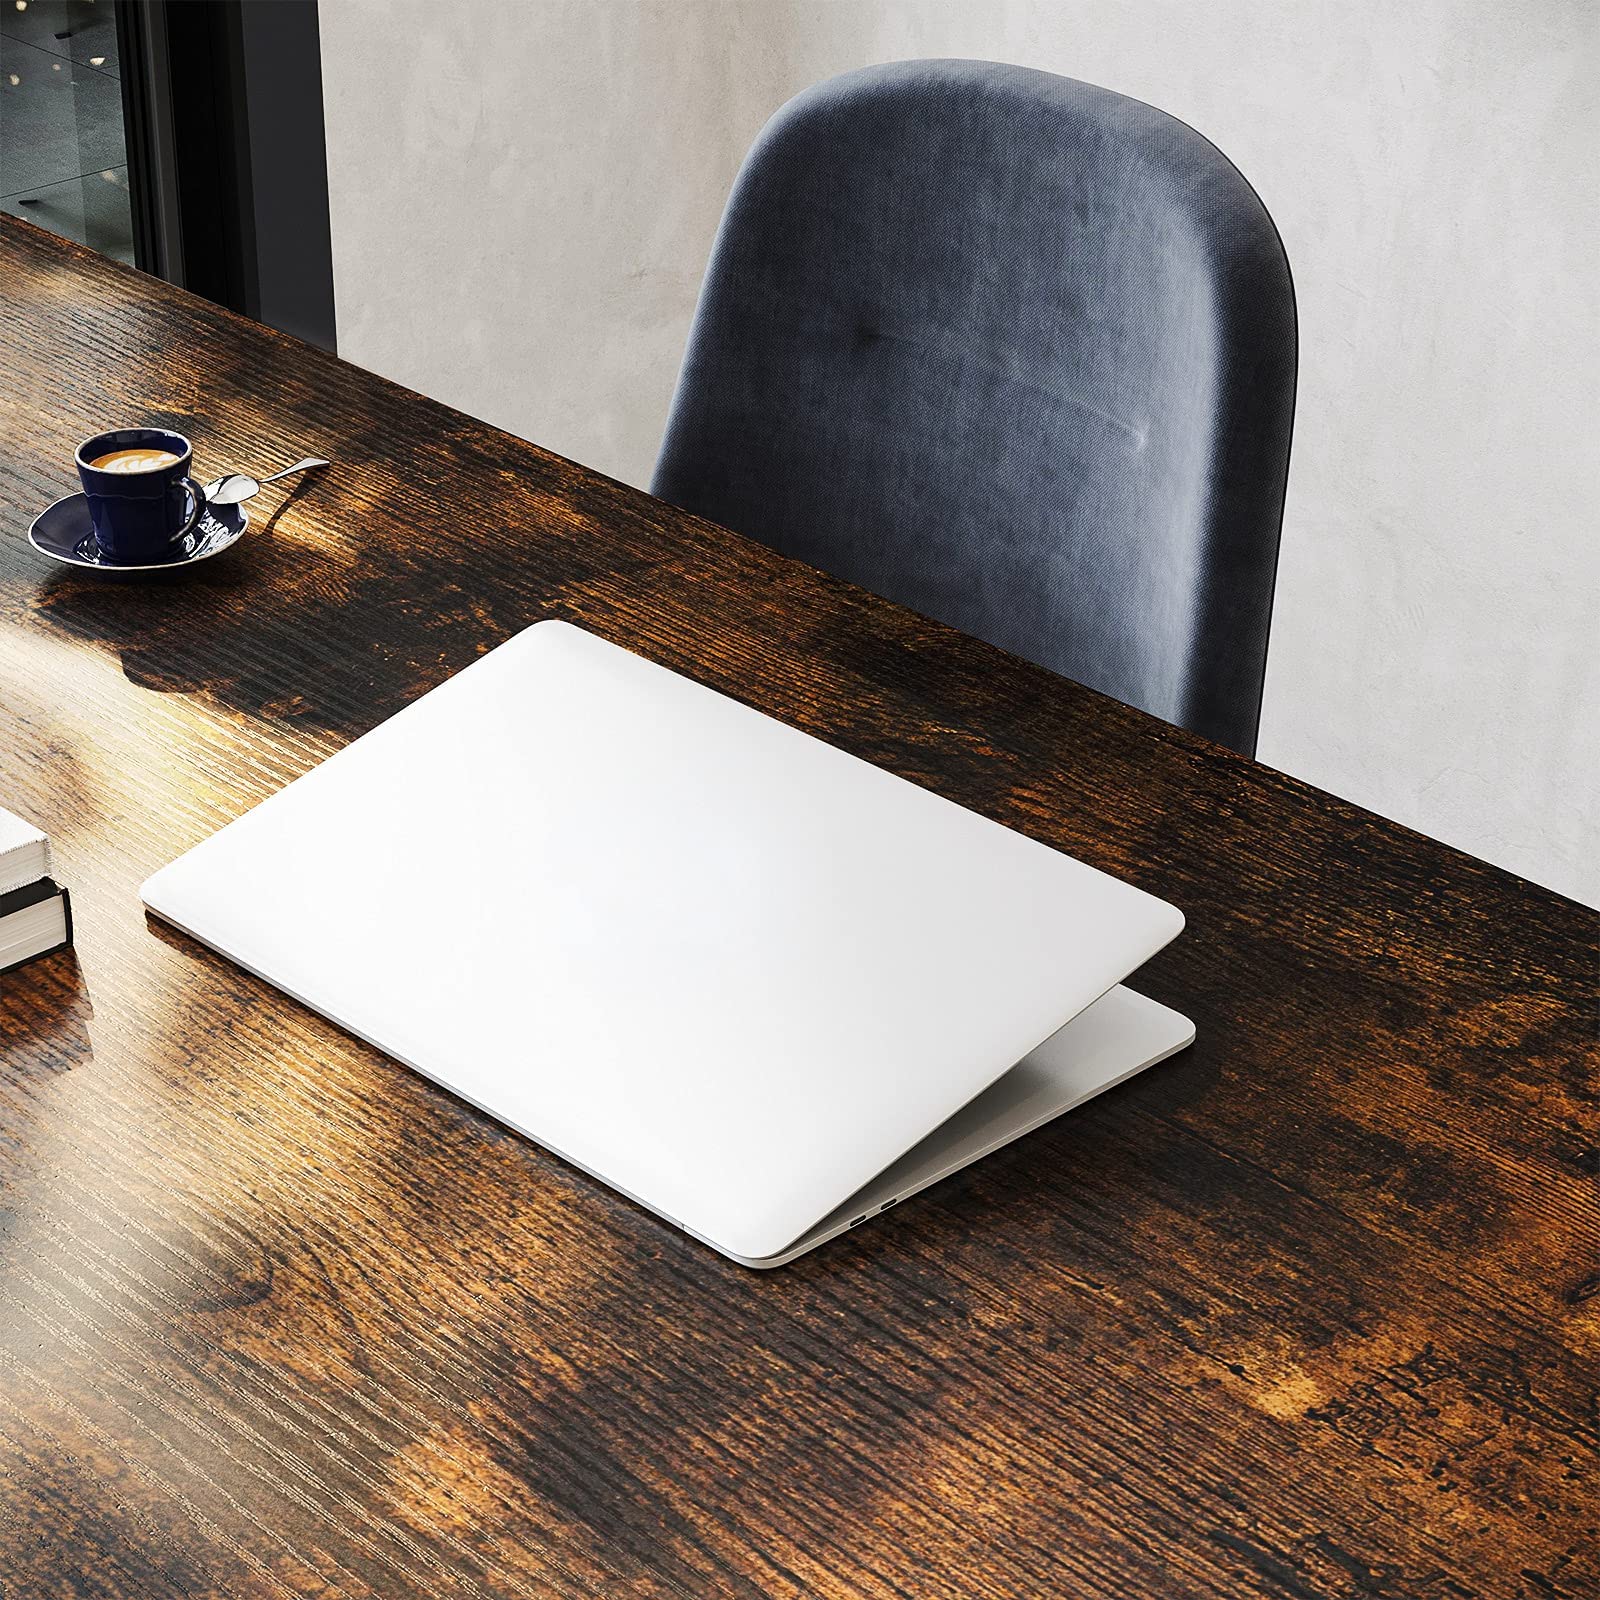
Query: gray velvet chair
(1016, 352)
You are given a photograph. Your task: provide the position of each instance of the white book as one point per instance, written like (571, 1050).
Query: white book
(24, 852)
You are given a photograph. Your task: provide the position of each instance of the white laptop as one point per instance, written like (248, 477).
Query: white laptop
(761, 987)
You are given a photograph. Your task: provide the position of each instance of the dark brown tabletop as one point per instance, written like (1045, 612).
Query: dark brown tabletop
(1312, 1310)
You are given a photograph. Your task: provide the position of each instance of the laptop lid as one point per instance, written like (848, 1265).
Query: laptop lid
(717, 963)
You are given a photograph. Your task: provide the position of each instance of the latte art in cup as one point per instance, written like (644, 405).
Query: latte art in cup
(133, 460)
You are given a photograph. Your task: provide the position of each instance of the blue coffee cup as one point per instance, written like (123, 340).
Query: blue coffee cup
(138, 515)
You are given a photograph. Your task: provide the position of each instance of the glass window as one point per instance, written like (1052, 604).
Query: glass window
(63, 158)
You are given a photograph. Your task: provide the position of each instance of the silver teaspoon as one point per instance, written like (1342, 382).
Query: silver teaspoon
(237, 486)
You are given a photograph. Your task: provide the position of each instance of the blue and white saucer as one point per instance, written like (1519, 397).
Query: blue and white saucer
(64, 532)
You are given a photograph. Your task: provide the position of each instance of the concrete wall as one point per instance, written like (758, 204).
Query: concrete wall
(524, 194)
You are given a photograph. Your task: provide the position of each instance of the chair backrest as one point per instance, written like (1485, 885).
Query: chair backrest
(1016, 352)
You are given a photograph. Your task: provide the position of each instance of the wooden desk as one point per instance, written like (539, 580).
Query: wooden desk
(1312, 1311)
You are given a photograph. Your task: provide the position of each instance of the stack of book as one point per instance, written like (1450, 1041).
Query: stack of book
(35, 916)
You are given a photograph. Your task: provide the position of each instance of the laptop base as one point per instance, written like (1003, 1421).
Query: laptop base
(1121, 1034)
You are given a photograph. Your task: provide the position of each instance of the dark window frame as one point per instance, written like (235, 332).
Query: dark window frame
(227, 158)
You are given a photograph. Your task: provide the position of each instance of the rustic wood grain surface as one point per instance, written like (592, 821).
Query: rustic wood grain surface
(1314, 1310)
